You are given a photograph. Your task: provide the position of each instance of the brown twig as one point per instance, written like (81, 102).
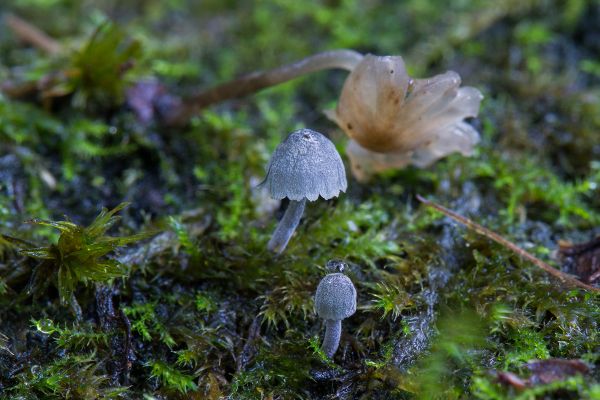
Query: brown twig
(561, 276)
(32, 35)
(256, 81)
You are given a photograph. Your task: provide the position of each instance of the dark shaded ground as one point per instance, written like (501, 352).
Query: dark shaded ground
(201, 310)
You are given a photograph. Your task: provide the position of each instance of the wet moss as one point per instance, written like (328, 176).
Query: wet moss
(201, 309)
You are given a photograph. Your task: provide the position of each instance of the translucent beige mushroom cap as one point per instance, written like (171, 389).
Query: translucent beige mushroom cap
(306, 165)
(394, 120)
(336, 297)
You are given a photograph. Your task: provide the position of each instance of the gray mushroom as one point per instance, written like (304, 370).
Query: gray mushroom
(305, 166)
(335, 300)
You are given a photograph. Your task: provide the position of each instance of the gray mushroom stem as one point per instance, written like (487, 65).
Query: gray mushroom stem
(286, 227)
(333, 331)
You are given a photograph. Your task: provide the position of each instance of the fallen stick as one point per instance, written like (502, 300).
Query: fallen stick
(258, 80)
(32, 35)
(561, 276)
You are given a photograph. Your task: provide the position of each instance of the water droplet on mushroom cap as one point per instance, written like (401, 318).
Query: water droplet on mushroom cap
(306, 165)
(336, 297)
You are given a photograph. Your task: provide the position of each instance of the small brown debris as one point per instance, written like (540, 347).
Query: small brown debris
(149, 98)
(544, 372)
(141, 96)
(510, 379)
(554, 369)
(582, 259)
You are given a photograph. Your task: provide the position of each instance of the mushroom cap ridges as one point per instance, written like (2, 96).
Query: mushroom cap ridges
(306, 165)
(336, 297)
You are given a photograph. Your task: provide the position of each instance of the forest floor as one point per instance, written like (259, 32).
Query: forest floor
(186, 302)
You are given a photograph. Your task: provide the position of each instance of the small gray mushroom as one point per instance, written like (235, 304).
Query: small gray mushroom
(335, 300)
(305, 166)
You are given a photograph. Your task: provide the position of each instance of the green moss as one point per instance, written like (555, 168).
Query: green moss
(295, 298)
(186, 242)
(457, 347)
(78, 337)
(282, 369)
(171, 377)
(78, 256)
(74, 376)
(391, 300)
(146, 323)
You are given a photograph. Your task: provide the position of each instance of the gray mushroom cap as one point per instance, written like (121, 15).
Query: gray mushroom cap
(336, 297)
(306, 165)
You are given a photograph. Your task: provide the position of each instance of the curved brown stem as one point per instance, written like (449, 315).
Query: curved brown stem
(256, 81)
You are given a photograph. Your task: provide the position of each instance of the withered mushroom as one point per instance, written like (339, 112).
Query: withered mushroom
(394, 120)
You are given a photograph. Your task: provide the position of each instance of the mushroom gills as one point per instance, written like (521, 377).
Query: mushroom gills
(286, 227)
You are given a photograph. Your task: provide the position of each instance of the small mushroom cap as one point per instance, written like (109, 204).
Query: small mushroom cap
(336, 297)
(306, 165)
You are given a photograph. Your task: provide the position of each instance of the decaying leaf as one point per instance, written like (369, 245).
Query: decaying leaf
(554, 369)
(582, 259)
(544, 372)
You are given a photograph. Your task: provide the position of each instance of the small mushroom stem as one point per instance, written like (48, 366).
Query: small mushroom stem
(333, 331)
(286, 227)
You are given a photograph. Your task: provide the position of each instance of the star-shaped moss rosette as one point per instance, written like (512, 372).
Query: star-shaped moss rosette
(79, 256)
